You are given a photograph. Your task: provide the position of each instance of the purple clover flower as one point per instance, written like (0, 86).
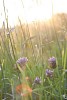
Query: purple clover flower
(22, 61)
(49, 73)
(52, 62)
(37, 80)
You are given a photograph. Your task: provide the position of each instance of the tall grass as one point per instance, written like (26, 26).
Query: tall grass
(38, 42)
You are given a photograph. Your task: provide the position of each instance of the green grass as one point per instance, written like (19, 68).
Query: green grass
(37, 45)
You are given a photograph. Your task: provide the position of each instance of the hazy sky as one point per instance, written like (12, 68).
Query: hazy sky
(30, 9)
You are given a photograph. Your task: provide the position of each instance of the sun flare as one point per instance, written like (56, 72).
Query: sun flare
(41, 11)
(30, 10)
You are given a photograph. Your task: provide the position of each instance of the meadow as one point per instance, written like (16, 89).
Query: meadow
(33, 60)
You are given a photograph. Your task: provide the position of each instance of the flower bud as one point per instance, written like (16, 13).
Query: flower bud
(52, 62)
(22, 61)
(49, 73)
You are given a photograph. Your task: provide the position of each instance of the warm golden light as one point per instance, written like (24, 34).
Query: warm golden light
(31, 10)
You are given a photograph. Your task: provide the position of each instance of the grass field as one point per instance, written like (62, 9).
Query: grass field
(33, 60)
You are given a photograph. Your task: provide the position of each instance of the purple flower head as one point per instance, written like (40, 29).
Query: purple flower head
(37, 80)
(52, 62)
(49, 73)
(22, 61)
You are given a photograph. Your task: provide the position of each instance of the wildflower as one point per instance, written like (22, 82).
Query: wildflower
(22, 61)
(49, 73)
(37, 80)
(23, 90)
(52, 62)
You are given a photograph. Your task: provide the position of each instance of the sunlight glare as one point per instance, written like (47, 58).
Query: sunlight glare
(30, 10)
(42, 11)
